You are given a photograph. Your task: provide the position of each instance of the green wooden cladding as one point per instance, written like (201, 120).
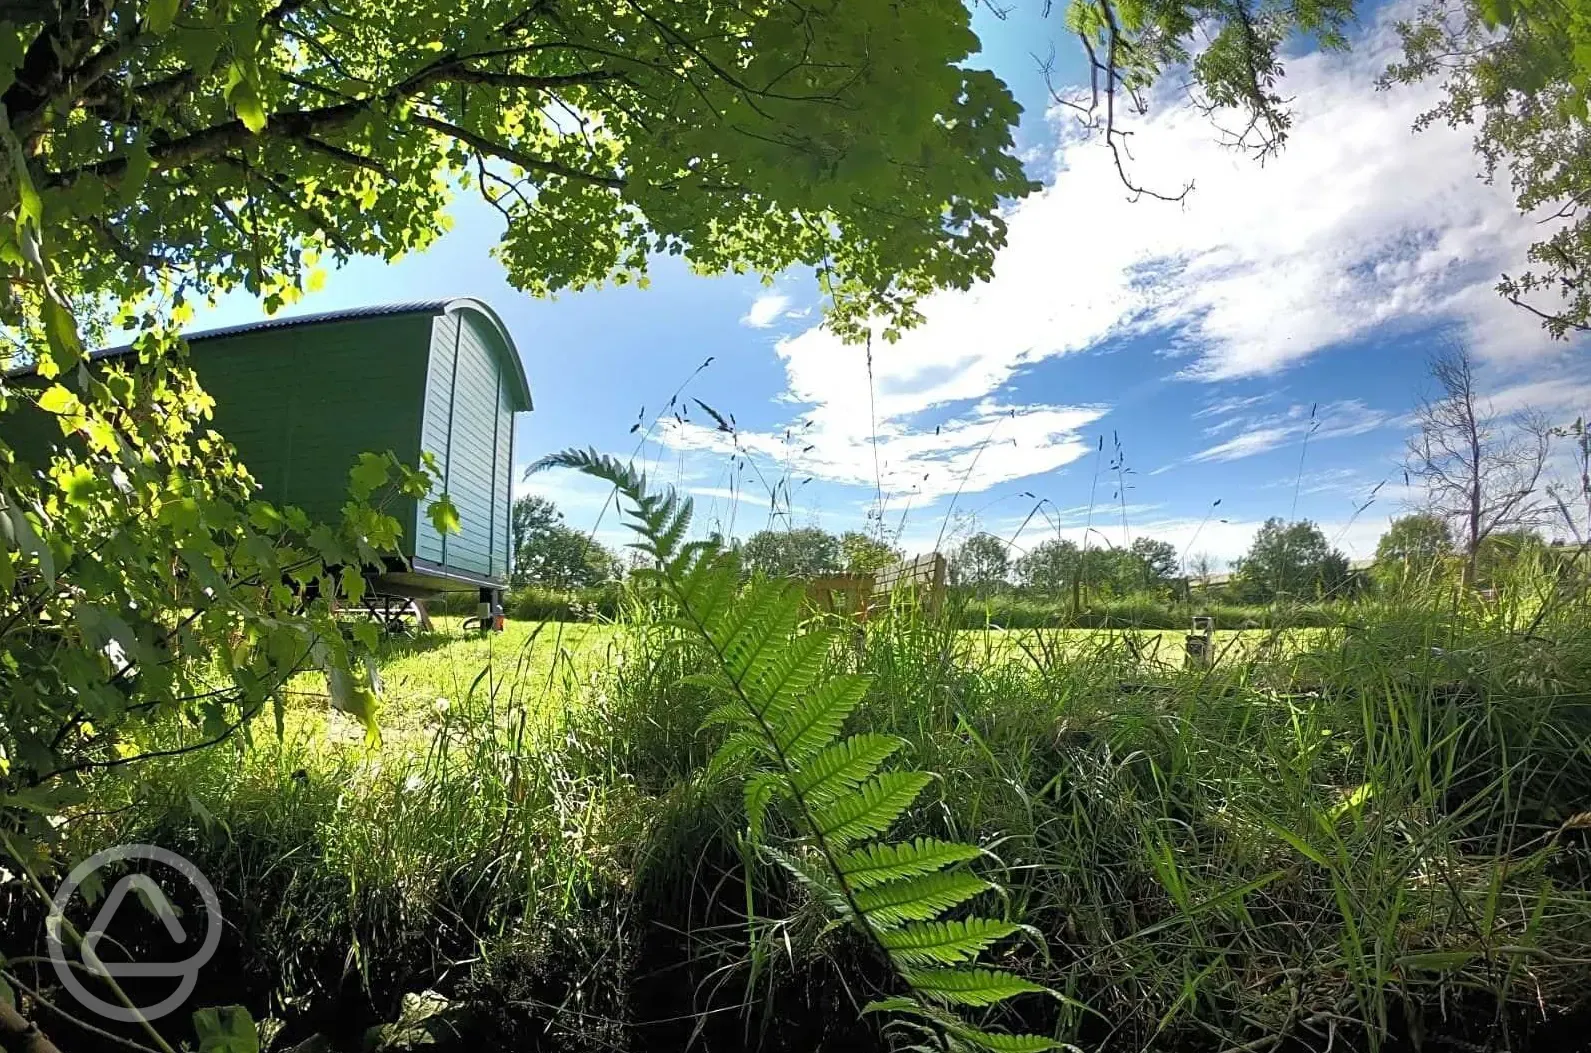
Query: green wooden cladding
(302, 398)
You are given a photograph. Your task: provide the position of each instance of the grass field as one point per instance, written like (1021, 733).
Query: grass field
(1336, 838)
(556, 660)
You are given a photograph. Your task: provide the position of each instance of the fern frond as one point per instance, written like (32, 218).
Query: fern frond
(944, 942)
(814, 877)
(974, 987)
(870, 811)
(918, 898)
(815, 720)
(960, 1035)
(788, 675)
(842, 767)
(708, 579)
(675, 522)
(611, 470)
(996, 1042)
(878, 863)
(785, 716)
(761, 622)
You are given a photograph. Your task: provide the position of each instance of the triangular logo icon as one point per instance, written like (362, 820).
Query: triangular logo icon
(157, 903)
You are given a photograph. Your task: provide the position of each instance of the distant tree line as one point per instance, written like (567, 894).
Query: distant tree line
(1486, 498)
(550, 553)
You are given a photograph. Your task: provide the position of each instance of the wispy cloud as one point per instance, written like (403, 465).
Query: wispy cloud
(988, 444)
(1567, 393)
(1223, 407)
(1257, 440)
(730, 494)
(766, 310)
(1332, 421)
(1325, 481)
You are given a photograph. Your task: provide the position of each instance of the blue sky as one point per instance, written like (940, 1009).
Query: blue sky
(1260, 344)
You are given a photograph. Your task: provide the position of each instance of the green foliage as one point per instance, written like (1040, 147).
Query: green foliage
(800, 552)
(1054, 565)
(981, 562)
(1159, 559)
(1292, 560)
(547, 552)
(226, 1029)
(1504, 553)
(1050, 566)
(1520, 72)
(864, 553)
(784, 711)
(247, 143)
(1415, 550)
(1233, 52)
(1168, 831)
(1026, 609)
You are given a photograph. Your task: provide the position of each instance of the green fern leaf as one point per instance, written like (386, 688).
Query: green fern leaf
(815, 720)
(944, 942)
(918, 898)
(876, 864)
(876, 805)
(994, 1042)
(710, 585)
(974, 987)
(763, 617)
(789, 674)
(814, 876)
(962, 1036)
(842, 767)
(735, 750)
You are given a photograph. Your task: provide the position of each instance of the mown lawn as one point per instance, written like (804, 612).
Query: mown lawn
(549, 665)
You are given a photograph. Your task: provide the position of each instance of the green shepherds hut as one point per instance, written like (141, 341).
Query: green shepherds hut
(302, 397)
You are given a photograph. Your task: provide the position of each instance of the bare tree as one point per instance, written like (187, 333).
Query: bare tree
(1481, 469)
(1572, 498)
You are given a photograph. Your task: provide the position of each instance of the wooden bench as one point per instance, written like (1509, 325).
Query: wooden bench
(856, 596)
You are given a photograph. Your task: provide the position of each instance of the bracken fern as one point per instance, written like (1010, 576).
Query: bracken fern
(784, 712)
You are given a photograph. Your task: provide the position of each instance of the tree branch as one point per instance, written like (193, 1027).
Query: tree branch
(21, 1034)
(462, 74)
(347, 157)
(504, 152)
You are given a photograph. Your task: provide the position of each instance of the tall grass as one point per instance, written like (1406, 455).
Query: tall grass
(1372, 832)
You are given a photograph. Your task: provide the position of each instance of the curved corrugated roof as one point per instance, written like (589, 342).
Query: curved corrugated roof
(432, 307)
(372, 311)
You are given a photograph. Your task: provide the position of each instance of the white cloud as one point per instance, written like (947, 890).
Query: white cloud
(765, 310)
(1358, 228)
(1333, 421)
(1256, 440)
(733, 495)
(1325, 481)
(1559, 396)
(990, 444)
(1223, 407)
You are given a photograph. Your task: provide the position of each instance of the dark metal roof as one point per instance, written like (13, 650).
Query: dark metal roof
(379, 310)
(431, 307)
(295, 321)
